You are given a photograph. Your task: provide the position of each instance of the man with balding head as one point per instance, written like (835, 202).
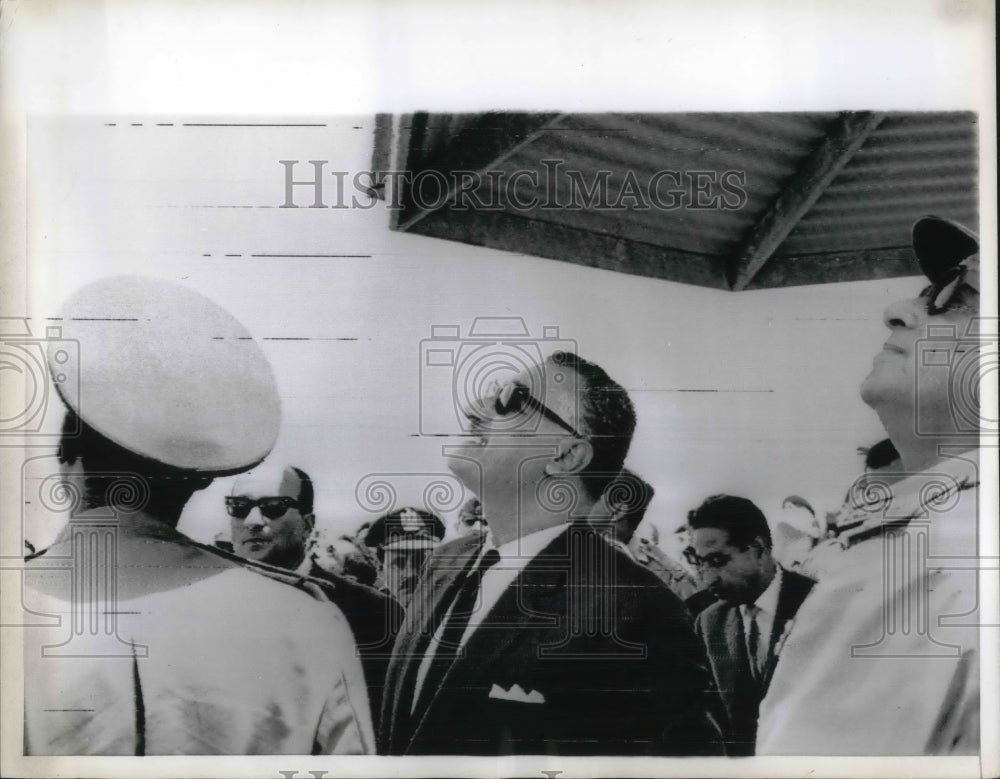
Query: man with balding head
(542, 638)
(271, 516)
(271, 519)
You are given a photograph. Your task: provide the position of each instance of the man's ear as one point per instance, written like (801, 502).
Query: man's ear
(760, 545)
(573, 456)
(310, 520)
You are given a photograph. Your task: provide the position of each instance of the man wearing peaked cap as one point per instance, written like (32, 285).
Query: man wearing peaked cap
(883, 657)
(169, 647)
(402, 541)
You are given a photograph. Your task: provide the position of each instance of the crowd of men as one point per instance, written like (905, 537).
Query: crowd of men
(553, 623)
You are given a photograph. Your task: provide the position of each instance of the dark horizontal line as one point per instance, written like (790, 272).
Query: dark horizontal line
(87, 710)
(246, 124)
(102, 319)
(341, 256)
(164, 124)
(303, 338)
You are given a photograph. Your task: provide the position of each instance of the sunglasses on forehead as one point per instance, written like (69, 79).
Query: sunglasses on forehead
(270, 508)
(947, 292)
(515, 398)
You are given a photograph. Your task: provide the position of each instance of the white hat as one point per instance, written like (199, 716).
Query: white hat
(169, 375)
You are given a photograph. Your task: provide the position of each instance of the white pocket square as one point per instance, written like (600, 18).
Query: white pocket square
(516, 693)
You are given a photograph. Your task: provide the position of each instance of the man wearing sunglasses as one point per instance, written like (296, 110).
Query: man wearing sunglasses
(271, 516)
(883, 658)
(271, 519)
(542, 638)
(731, 550)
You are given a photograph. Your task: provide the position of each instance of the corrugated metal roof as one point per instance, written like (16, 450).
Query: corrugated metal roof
(803, 191)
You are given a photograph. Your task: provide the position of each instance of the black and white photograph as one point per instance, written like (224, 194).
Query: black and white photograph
(585, 422)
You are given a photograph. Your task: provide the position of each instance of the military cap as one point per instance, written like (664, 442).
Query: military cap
(407, 528)
(168, 375)
(941, 245)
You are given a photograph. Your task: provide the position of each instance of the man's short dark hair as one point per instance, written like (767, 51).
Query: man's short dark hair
(305, 496)
(739, 517)
(607, 417)
(628, 495)
(108, 467)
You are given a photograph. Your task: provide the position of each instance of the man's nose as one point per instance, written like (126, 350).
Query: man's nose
(255, 520)
(903, 313)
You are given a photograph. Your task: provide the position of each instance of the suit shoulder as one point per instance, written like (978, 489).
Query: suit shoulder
(713, 613)
(798, 581)
(457, 547)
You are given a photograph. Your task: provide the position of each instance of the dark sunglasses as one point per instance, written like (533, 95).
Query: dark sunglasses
(945, 293)
(515, 398)
(712, 559)
(270, 508)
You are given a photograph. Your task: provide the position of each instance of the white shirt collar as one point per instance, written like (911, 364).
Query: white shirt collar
(767, 601)
(526, 547)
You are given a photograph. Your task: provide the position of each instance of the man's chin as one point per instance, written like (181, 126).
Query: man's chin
(466, 470)
(255, 551)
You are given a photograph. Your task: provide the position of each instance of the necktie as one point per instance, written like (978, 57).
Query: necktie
(455, 624)
(753, 641)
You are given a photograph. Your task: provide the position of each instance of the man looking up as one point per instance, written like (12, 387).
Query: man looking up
(543, 638)
(883, 658)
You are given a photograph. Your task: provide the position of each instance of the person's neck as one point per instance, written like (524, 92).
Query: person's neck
(920, 452)
(167, 517)
(510, 524)
(769, 569)
(289, 563)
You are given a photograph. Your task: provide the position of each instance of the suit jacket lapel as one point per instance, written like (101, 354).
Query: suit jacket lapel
(794, 589)
(535, 591)
(423, 615)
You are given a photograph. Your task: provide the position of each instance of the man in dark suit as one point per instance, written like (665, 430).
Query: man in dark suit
(731, 547)
(541, 637)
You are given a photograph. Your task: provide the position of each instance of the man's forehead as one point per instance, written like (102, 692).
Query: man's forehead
(268, 482)
(709, 537)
